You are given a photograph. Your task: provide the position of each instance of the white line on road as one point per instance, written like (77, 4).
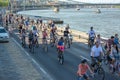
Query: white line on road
(33, 60)
(84, 58)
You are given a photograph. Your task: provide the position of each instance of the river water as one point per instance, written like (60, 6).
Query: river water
(106, 23)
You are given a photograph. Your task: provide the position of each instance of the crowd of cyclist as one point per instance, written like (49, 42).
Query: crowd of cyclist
(110, 51)
(33, 28)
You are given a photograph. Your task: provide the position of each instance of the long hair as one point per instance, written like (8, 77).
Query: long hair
(116, 48)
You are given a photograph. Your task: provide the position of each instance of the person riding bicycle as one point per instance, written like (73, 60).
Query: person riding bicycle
(96, 54)
(44, 36)
(109, 43)
(113, 57)
(53, 35)
(83, 67)
(66, 33)
(91, 34)
(60, 45)
(23, 37)
(116, 40)
(31, 38)
(36, 39)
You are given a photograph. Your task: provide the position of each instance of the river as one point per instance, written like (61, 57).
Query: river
(106, 23)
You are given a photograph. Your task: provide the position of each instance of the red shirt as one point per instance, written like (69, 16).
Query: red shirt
(82, 69)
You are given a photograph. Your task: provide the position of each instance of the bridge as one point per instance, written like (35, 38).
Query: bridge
(42, 4)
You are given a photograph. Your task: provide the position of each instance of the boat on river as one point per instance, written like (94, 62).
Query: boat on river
(77, 8)
(56, 9)
(98, 11)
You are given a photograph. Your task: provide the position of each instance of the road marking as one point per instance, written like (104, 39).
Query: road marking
(34, 61)
(85, 58)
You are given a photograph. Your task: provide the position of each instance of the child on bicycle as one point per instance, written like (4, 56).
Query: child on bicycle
(82, 70)
(60, 44)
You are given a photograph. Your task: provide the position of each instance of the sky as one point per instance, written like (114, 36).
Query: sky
(97, 1)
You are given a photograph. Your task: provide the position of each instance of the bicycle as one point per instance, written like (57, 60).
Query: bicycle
(85, 76)
(36, 43)
(98, 69)
(23, 42)
(91, 42)
(60, 55)
(67, 42)
(31, 46)
(45, 45)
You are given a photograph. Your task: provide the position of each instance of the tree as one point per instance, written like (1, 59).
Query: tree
(4, 3)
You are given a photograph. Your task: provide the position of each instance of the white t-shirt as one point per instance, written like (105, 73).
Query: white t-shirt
(96, 51)
(92, 33)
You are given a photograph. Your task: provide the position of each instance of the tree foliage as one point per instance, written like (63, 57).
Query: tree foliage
(4, 3)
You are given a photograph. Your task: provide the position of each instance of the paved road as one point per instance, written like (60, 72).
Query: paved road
(72, 56)
(16, 65)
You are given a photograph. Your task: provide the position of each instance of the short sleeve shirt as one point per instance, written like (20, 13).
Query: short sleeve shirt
(96, 51)
(92, 33)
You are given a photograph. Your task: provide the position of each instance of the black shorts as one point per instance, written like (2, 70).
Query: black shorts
(85, 76)
(95, 60)
(30, 40)
(109, 58)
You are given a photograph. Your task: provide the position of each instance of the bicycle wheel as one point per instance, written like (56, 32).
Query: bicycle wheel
(101, 73)
(61, 58)
(32, 48)
(46, 48)
(69, 43)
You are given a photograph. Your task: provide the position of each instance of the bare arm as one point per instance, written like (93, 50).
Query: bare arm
(79, 71)
(90, 69)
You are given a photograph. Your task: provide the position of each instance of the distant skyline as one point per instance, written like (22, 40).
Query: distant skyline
(96, 1)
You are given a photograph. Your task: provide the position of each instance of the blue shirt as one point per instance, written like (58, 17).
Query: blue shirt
(60, 43)
(116, 40)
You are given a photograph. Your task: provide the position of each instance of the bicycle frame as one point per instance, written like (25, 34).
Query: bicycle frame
(45, 47)
(60, 56)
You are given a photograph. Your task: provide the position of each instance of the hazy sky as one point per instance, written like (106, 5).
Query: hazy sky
(97, 1)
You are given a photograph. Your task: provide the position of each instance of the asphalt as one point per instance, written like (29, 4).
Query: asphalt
(15, 64)
(48, 61)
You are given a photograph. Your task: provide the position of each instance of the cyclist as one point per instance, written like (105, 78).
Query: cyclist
(96, 52)
(36, 40)
(98, 39)
(109, 43)
(53, 36)
(92, 35)
(23, 37)
(83, 68)
(66, 33)
(116, 40)
(31, 38)
(114, 55)
(60, 42)
(60, 45)
(44, 36)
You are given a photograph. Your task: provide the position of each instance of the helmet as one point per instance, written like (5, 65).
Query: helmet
(84, 61)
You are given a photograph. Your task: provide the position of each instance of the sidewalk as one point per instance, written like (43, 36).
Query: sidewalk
(16, 65)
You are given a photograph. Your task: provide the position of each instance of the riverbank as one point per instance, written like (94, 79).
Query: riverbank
(106, 23)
